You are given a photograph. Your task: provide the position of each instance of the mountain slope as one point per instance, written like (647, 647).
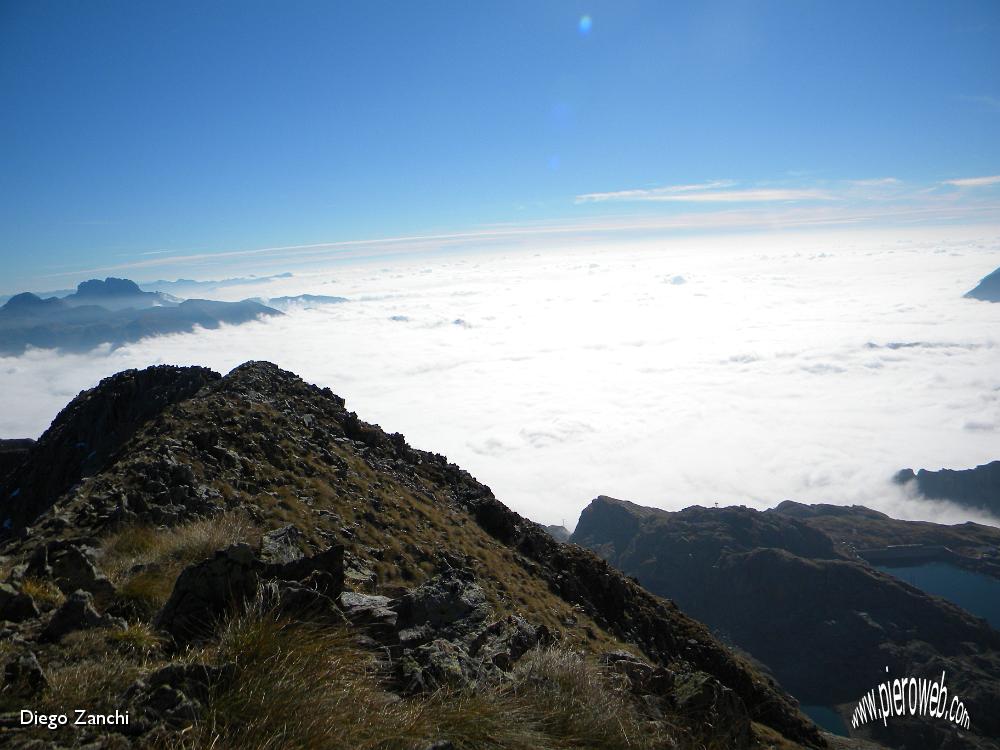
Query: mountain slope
(431, 565)
(826, 625)
(988, 288)
(859, 531)
(973, 488)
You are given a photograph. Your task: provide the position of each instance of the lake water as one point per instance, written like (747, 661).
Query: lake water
(974, 592)
(826, 718)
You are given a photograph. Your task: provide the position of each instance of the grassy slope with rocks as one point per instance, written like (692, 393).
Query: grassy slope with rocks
(242, 562)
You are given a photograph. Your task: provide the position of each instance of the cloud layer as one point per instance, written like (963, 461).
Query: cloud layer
(787, 366)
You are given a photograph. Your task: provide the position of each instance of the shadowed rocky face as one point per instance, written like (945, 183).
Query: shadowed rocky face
(788, 587)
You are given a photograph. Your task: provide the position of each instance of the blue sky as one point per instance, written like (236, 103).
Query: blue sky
(137, 138)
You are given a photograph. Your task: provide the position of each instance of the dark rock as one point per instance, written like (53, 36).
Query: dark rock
(77, 613)
(206, 592)
(325, 568)
(282, 546)
(85, 435)
(639, 672)
(371, 613)
(438, 664)
(16, 606)
(23, 676)
(504, 642)
(721, 710)
(301, 601)
(70, 568)
(13, 453)
(450, 601)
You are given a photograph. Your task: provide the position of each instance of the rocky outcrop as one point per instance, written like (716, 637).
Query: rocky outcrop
(974, 488)
(15, 605)
(23, 676)
(12, 454)
(77, 613)
(208, 592)
(70, 567)
(86, 435)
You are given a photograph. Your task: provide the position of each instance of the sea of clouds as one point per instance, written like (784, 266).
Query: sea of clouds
(746, 369)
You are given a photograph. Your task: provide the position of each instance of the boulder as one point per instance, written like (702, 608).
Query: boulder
(505, 641)
(438, 664)
(324, 569)
(77, 613)
(721, 711)
(23, 676)
(16, 606)
(70, 568)
(282, 546)
(371, 613)
(207, 591)
(451, 602)
(301, 601)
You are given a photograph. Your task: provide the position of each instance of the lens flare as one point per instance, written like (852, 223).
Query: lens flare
(584, 25)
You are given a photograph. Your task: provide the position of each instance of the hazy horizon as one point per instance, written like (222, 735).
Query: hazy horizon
(747, 369)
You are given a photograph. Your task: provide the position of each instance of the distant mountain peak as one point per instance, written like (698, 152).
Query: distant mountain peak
(23, 300)
(110, 287)
(988, 288)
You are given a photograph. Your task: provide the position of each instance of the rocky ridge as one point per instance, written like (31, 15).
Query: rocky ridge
(190, 511)
(974, 488)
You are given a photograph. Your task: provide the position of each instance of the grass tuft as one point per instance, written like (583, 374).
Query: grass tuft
(137, 638)
(144, 562)
(45, 593)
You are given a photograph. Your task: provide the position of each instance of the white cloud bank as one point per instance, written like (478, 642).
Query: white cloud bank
(787, 366)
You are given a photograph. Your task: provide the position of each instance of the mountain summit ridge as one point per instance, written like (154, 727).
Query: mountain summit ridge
(259, 455)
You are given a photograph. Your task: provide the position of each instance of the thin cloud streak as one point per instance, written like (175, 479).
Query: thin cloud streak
(707, 193)
(640, 193)
(975, 181)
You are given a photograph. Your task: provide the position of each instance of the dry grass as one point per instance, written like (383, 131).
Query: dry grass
(144, 562)
(90, 670)
(137, 638)
(45, 593)
(304, 686)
